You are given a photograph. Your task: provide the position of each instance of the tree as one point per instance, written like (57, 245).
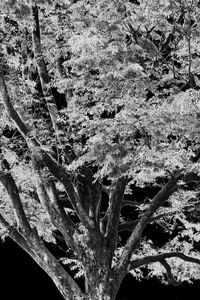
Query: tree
(97, 98)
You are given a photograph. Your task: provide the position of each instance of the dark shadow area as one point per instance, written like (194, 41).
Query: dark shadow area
(22, 279)
(152, 289)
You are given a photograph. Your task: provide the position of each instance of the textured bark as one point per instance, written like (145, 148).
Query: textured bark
(63, 281)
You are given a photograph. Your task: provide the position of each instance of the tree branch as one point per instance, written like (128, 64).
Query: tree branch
(49, 200)
(136, 263)
(114, 209)
(134, 239)
(65, 203)
(64, 282)
(34, 246)
(42, 69)
(45, 80)
(170, 277)
(161, 258)
(54, 114)
(11, 188)
(130, 203)
(89, 191)
(23, 129)
(129, 226)
(40, 155)
(16, 236)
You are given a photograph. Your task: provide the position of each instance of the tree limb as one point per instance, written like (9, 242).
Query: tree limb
(89, 191)
(161, 258)
(45, 80)
(65, 203)
(130, 203)
(34, 246)
(136, 263)
(49, 200)
(170, 277)
(64, 282)
(11, 188)
(89, 204)
(42, 69)
(134, 239)
(129, 226)
(56, 169)
(16, 236)
(114, 209)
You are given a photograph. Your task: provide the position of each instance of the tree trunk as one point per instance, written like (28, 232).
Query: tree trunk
(100, 290)
(100, 284)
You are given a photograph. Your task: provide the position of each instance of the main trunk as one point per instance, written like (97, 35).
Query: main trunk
(99, 290)
(100, 284)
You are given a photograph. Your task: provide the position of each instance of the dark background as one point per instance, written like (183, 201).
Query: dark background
(21, 278)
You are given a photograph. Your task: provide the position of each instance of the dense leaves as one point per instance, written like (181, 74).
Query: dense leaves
(109, 95)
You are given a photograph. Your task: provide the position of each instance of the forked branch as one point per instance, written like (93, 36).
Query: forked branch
(40, 155)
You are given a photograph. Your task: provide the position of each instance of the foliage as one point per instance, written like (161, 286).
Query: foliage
(109, 91)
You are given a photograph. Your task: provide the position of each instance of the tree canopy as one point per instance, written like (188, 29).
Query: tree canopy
(100, 99)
